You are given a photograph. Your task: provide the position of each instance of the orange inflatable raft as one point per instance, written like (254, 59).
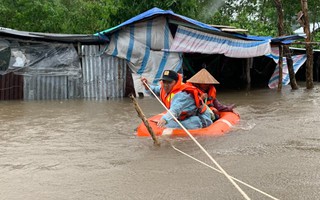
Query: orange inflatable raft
(219, 127)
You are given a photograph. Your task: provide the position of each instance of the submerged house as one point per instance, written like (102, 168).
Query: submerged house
(109, 64)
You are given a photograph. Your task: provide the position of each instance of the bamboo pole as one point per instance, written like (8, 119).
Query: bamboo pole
(144, 120)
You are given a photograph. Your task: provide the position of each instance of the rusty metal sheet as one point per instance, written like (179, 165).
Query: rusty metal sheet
(11, 87)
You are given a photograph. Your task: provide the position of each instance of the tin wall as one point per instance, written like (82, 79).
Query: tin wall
(104, 76)
(51, 87)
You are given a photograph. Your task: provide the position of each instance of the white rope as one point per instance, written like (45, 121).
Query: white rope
(268, 195)
(199, 145)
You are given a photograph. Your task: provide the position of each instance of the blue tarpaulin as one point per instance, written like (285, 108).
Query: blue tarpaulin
(150, 47)
(154, 12)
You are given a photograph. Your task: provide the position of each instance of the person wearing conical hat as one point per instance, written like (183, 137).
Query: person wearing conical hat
(204, 81)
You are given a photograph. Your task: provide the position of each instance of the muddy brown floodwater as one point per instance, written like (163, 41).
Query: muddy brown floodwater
(86, 149)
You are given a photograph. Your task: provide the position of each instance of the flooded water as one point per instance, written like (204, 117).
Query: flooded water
(86, 149)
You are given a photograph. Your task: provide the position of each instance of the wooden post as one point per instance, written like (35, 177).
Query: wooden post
(249, 62)
(144, 119)
(286, 49)
(280, 62)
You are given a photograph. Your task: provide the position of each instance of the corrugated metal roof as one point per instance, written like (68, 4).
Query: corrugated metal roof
(68, 38)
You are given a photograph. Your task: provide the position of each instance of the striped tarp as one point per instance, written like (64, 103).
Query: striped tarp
(141, 45)
(193, 41)
(298, 61)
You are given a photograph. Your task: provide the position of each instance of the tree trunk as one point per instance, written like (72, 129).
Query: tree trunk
(292, 77)
(286, 49)
(306, 28)
(280, 33)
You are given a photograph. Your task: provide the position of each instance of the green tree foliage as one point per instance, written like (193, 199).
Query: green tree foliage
(56, 16)
(91, 16)
(260, 16)
(123, 12)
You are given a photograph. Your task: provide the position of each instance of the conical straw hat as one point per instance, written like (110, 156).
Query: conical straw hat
(203, 77)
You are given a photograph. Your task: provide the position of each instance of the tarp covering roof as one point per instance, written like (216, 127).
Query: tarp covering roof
(288, 39)
(154, 12)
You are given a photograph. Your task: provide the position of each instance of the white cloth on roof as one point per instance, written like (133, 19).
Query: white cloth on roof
(193, 41)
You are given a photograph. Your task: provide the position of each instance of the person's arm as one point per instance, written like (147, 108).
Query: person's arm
(220, 107)
(204, 96)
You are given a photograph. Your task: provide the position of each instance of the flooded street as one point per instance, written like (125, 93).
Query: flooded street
(86, 149)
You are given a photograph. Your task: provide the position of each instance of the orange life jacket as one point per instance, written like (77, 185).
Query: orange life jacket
(212, 93)
(181, 87)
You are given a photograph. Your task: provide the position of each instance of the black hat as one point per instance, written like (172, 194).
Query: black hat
(169, 75)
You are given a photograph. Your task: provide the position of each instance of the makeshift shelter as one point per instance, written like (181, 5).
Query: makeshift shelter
(42, 66)
(157, 39)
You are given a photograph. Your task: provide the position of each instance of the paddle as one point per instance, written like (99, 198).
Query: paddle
(144, 120)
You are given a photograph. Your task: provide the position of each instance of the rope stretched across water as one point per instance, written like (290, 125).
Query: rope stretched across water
(199, 145)
(256, 189)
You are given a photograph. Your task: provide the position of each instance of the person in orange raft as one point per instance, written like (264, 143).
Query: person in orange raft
(183, 102)
(204, 81)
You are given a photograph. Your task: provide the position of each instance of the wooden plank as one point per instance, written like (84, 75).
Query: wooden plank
(234, 30)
